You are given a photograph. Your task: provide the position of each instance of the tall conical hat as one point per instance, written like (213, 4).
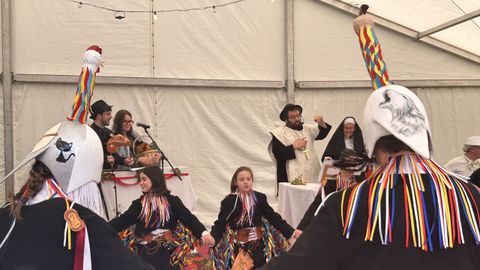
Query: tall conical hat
(390, 109)
(71, 149)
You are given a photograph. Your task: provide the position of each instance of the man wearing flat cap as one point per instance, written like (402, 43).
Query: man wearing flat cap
(101, 114)
(292, 146)
(469, 161)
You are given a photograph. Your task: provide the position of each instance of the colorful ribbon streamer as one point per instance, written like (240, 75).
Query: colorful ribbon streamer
(450, 200)
(81, 101)
(155, 209)
(372, 54)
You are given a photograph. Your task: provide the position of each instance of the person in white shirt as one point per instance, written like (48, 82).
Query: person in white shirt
(469, 161)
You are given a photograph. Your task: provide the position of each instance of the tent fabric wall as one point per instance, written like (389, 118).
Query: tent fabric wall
(215, 131)
(453, 117)
(201, 44)
(212, 131)
(2, 143)
(245, 41)
(49, 37)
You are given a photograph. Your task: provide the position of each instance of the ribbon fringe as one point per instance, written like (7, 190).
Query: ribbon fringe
(452, 201)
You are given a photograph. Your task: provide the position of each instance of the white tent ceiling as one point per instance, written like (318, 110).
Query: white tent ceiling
(425, 14)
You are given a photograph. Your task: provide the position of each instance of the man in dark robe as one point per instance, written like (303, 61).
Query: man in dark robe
(292, 146)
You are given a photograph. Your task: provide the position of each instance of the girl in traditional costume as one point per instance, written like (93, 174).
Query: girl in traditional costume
(156, 215)
(240, 224)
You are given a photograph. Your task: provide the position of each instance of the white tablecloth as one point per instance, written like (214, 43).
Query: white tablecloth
(127, 194)
(294, 200)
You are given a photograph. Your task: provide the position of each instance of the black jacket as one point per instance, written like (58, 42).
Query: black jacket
(178, 212)
(36, 241)
(262, 209)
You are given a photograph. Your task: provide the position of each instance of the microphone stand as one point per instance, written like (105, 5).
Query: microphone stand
(117, 213)
(104, 203)
(164, 157)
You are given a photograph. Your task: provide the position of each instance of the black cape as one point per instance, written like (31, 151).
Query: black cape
(337, 143)
(323, 246)
(36, 241)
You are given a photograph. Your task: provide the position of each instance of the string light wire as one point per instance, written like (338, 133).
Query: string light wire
(154, 12)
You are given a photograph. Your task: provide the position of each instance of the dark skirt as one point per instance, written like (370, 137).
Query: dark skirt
(256, 250)
(156, 255)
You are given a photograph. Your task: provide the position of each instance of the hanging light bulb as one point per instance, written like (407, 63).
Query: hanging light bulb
(213, 8)
(80, 4)
(119, 15)
(155, 17)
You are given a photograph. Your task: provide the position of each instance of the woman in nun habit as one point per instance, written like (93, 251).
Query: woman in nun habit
(348, 135)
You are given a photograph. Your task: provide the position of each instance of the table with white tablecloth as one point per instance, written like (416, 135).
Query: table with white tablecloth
(294, 200)
(128, 190)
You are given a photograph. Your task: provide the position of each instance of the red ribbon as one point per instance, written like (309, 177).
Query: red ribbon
(170, 175)
(120, 179)
(79, 250)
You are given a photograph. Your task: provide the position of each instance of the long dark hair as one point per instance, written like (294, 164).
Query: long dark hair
(117, 122)
(350, 160)
(159, 186)
(233, 183)
(37, 176)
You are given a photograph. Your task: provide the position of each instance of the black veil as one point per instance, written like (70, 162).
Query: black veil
(337, 143)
